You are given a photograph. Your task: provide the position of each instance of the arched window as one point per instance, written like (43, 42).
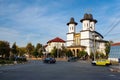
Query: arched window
(84, 24)
(87, 24)
(72, 28)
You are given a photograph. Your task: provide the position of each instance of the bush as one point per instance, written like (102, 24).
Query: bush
(6, 62)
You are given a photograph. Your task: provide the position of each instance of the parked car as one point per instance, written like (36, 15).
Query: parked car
(49, 60)
(103, 62)
(72, 59)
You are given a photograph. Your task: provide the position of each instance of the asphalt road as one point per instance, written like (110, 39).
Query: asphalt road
(37, 70)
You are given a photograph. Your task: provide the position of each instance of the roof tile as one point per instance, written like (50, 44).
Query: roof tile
(57, 39)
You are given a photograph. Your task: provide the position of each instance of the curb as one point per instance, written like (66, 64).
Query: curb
(115, 69)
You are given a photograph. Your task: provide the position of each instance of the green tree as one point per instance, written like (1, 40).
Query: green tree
(39, 49)
(54, 52)
(30, 49)
(69, 53)
(107, 48)
(22, 51)
(14, 49)
(35, 53)
(4, 49)
(63, 51)
(82, 54)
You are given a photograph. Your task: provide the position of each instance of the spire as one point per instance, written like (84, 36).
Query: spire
(72, 21)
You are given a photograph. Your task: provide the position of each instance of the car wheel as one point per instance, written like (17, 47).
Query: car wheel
(94, 64)
(107, 64)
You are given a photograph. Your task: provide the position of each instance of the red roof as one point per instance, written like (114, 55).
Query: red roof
(57, 39)
(116, 44)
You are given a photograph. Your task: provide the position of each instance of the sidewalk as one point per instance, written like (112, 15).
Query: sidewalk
(115, 68)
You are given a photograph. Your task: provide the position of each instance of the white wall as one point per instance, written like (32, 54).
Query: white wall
(86, 25)
(85, 34)
(51, 45)
(70, 38)
(72, 28)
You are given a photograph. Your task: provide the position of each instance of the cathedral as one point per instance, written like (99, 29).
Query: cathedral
(87, 39)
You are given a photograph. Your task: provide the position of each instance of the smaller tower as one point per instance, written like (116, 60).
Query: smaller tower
(71, 31)
(88, 23)
(72, 26)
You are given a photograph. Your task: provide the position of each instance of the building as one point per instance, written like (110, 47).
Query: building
(87, 39)
(115, 52)
(56, 42)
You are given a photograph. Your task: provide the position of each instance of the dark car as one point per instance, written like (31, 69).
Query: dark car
(72, 59)
(49, 60)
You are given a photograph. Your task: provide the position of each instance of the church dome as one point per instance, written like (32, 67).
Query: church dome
(72, 21)
(88, 17)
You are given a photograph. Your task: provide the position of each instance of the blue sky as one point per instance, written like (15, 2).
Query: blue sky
(37, 21)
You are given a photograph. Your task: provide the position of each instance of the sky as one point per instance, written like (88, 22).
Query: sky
(38, 21)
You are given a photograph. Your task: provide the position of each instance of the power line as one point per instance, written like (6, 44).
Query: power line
(112, 28)
(114, 33)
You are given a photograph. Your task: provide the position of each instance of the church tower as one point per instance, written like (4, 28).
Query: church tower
(71, 31)
(88, 29)
(88, 23)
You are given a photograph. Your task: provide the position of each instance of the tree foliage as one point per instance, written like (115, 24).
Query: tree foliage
(107, 48)
(82, 54)
(22, 51)
(30, 48)
(14, 49)
(69, 53)
(4, 49)
(54, 52)
(39, 50)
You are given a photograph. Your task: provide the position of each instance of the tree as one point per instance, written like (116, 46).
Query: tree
(4, 49)
(22, 51)
(35, 53)
(82, 54)
(63, 51)
(30, 49)
(38, 46)
(14, 49)
(54, 52)
(69, 53)
(107, 47)
(39, 50)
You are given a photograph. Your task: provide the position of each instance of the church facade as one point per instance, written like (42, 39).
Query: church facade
(87, 39)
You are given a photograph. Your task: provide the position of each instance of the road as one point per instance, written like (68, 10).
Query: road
(62, 70)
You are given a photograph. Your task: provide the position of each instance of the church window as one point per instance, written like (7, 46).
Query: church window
(84, 24)
(72, 28)
(87, 24)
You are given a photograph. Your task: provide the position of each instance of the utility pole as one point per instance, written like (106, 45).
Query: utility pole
(94, 47)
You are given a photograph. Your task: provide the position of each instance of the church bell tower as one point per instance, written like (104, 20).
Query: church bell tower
(71, 31)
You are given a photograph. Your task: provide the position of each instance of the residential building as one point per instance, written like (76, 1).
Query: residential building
(56, 42)
(114, 54)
